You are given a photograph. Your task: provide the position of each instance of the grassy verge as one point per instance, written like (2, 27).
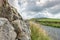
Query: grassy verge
(38, 33)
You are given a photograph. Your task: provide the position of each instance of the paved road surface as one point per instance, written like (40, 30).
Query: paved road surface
(52, 32)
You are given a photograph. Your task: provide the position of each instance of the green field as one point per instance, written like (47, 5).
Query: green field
(48, 22)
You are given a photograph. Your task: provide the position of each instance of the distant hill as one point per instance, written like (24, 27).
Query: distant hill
(47, 21)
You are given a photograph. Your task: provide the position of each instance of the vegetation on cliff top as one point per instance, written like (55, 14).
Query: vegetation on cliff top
(37, 33)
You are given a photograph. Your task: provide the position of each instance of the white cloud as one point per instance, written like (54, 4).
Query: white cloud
(37, 8)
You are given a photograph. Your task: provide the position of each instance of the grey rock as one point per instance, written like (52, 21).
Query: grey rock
(6, 30)
(21, 29)
(15, 23)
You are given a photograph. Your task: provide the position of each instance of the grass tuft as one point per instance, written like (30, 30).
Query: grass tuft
(38, 33)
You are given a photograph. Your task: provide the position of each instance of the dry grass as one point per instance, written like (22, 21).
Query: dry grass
(37, 33)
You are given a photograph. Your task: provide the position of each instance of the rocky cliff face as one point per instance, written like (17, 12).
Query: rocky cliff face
(12, 26)
(6, 30)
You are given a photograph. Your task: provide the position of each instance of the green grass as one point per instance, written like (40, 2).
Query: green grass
(38, 33)
(48, 22)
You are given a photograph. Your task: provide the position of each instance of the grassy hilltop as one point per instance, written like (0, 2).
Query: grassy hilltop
(48, 22)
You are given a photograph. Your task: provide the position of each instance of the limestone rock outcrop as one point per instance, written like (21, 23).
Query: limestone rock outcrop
(6, 30)
(12, 26)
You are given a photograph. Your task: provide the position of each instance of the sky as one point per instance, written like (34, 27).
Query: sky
(37, 8)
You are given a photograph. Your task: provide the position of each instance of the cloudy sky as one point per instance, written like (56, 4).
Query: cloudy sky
(37, 8)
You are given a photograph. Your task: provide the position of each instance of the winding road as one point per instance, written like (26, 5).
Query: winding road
(54, 33)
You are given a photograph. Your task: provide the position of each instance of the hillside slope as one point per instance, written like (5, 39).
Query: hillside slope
(48, 22)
